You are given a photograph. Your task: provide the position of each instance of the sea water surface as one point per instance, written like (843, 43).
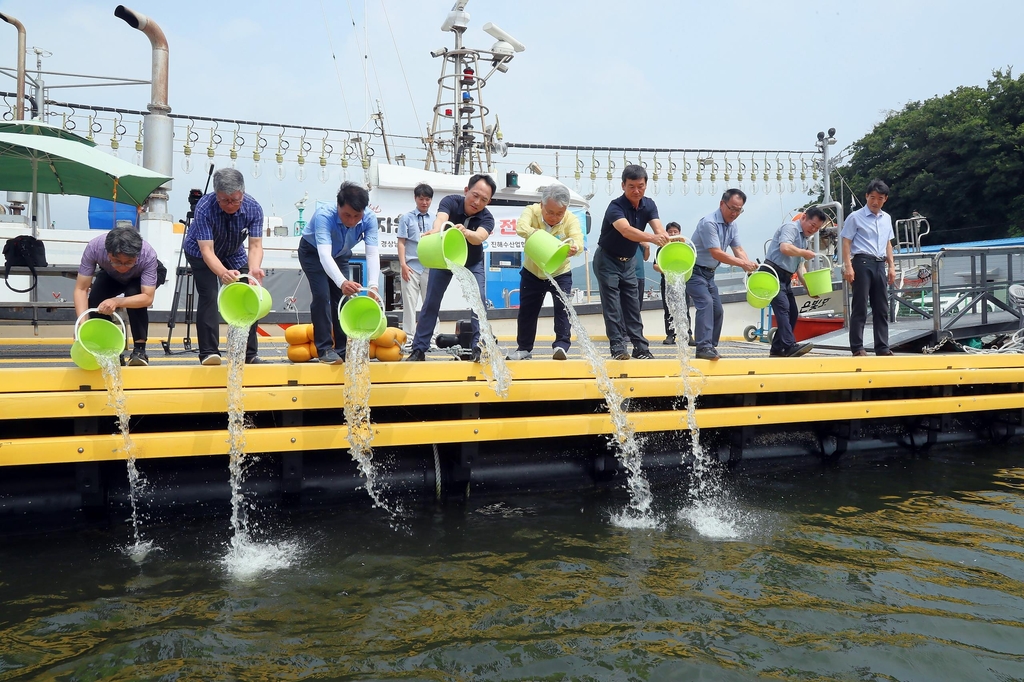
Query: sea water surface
(893, 568)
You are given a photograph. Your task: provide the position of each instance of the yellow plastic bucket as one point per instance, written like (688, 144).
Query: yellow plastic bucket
(676, 260)
(362, 317)
(96, 337)
(241, 304)
(762, 287)
(547, 251)
(819, 282)
(447, 244)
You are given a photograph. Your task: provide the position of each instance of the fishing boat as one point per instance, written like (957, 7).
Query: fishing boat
(440, 425)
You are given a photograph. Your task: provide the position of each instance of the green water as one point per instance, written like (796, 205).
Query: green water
(893, 569)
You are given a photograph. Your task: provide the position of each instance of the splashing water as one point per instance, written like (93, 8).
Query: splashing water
(709, 511)
(111, 368)
(638, 513)
(245, 558)
(357, 418)
(492, 359)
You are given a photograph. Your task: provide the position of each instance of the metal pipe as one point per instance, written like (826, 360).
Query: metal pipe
(19, 109)
(158, 148)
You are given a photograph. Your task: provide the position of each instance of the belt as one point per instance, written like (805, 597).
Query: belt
(705, 269)
(625, 259)
(877, 259)
(782, 273)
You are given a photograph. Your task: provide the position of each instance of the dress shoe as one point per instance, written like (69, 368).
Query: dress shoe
(860, 353)
(670, 340)
(708, 354)
(884, 354)
(798, 349)
(415, 356)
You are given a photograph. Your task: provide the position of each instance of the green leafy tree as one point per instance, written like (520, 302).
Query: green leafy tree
(957, 159)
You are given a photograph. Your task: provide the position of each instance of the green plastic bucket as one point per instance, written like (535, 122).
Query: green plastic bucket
(819, 282)
(547, 251)
(96, 337)
(448, 244)
(362, 317)
(676, 260)
(762, 287)
(82, 357)
(241, 304)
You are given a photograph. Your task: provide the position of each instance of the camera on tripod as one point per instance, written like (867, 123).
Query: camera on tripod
(194, 195)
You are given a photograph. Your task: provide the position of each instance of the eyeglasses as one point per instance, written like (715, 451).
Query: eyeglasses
(735, 210)
(122, 263)
(228, 201)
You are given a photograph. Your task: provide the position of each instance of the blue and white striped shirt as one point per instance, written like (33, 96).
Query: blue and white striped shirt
(227, 231)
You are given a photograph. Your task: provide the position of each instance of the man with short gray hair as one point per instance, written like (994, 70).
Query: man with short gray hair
(120, 262)
(214, 249)
(552, 216)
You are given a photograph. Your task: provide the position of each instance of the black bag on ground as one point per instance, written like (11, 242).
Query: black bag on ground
(25, 251)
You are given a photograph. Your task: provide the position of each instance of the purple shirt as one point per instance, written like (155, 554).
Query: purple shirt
(96, 254)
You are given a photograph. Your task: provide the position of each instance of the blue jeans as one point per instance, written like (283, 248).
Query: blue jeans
(707, 304)
(436, 286)
(620, 303)
(323, 309)
(532, 290)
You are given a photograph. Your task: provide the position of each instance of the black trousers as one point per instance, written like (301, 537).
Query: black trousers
(207, 314)
(104, 286)
(532, 290)
(785, 310)
(870, 283)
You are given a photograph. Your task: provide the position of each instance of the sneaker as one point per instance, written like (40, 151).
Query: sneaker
(522, 355)
(670, 340)
(620, 355)
(210, 360)
(257, 360)
(709, 354)
(798, 349)
(415, 356)
(138, 358)
(642, 354)
(331, 358)
(559, 354)
(475, 355)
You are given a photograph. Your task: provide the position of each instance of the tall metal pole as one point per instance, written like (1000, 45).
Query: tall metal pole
(19, 108)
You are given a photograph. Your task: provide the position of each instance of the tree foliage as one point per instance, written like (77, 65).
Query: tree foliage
(957, 159)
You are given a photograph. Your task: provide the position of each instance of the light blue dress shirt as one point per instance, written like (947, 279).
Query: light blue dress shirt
(325, 227)
(411, 227)
(790, 233)
(714, 233)
(867, 232)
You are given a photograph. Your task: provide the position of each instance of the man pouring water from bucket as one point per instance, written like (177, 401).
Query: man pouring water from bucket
(785, 256)
(714, 234)
(324, 252)
(214, 248)
(550, 217)
(117, 263)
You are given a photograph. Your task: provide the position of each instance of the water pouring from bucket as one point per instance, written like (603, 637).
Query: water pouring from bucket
(241, 304)
(676, 259)
(762, 286)
(436, 250)
(547, 251)
(96, 337)
(362, 317)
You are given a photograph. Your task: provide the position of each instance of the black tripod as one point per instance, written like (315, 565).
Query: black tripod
(184, 282)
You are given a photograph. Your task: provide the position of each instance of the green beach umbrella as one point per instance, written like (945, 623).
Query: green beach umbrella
(50, 164)
(36, 127)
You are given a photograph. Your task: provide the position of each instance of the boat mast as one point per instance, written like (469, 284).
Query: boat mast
(460, 97)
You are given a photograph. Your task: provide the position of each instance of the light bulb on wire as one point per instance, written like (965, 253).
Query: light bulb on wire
(300, 172)
(186, 161)
(323, 174)
(257, 167)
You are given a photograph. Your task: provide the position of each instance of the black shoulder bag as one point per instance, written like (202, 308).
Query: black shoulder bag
(25, 251)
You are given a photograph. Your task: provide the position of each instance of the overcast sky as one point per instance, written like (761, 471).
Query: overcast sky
(765, 75)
